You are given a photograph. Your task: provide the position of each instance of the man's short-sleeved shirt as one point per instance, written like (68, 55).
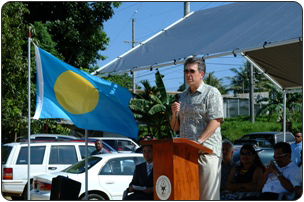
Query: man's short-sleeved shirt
(296, 149)
(197, 110)
(102, 151)
(273, 183)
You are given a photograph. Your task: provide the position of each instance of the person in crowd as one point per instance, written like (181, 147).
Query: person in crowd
(99, 149)
(142, 182)
(227, 162)
(299, 181)
(246, 176)
(296, 149)
(198, 115)
(280, 175)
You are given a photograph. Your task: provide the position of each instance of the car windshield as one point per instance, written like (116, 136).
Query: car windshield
(6, 150)
(80, 166)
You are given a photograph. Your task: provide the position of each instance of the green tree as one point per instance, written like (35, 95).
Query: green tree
(212, 80)
(77, 28)
(152, 109)
(240, 83)
(14, 70)
(123, 80)
(274, 104)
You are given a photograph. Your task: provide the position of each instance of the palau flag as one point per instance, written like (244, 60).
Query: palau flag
(90, 102)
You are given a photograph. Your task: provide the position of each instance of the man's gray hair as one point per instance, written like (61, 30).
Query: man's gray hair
(201, 65)
(229, 143)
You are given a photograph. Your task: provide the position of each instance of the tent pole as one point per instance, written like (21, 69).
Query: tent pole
(251, 96)
(257, 67)
(284, 114)
(29, 118)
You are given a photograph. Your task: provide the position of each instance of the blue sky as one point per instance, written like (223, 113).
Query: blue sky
(150, 18)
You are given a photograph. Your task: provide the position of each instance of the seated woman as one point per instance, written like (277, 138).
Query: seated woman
(246, 176)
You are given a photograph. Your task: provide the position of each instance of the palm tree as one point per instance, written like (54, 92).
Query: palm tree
(211, 80)
(241, 82)
(152, 109)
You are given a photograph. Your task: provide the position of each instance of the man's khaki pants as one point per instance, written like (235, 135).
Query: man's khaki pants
(209, 176)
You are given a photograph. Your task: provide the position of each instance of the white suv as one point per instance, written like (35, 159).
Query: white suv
(48, 137)
(46, 157)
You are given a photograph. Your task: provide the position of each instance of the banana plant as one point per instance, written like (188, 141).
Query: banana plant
(152, 109)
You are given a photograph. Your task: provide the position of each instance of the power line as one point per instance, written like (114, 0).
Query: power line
(162, 13)
(125, 26)
(165, 18)
(126, 7)
(205, 6)
(144, 26)
(224, 64)
(177, 66)
(163, 70)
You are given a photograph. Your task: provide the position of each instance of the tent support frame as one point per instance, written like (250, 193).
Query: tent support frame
(206, 56)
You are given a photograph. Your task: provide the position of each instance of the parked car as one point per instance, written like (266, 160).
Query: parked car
(272, 137)
(108, 176)
(46, 137)
(120, 144)
(258, 143)
(266, 155)
(46, 157)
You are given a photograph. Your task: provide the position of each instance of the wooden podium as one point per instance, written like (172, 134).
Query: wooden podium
(175, 168)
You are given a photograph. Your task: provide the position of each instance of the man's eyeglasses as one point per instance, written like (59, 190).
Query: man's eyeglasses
(246, 154)
(279, 156)
(297, 136)
(192, 71)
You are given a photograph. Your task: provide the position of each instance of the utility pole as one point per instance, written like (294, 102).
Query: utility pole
(251, 95)
(133, 42)
(186, 12)
(186, 8)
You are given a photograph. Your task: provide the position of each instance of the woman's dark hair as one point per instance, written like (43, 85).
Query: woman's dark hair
(257, 159)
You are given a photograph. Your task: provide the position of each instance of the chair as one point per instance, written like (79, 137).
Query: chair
(248, 194)
(287, 195)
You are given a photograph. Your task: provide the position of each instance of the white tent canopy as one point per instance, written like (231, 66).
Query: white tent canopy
(260, 30)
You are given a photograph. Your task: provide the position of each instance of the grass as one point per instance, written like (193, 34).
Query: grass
(235, 128)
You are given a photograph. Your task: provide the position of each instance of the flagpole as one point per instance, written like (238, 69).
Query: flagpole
(29, 117)
(86, 165)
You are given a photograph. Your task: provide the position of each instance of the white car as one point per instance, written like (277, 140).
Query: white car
(46, 157)
(108, 177)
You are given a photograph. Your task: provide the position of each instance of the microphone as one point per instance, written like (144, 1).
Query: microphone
(177, 96)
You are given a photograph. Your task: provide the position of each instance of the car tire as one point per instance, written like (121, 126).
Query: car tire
(94, 197)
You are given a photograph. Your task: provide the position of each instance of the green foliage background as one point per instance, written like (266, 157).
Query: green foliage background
(71, 31)
(235, 128)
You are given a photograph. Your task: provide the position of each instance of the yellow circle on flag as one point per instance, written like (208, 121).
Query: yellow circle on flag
(75, 94)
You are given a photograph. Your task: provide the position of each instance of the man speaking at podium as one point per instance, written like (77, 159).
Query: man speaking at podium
(198, 115)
